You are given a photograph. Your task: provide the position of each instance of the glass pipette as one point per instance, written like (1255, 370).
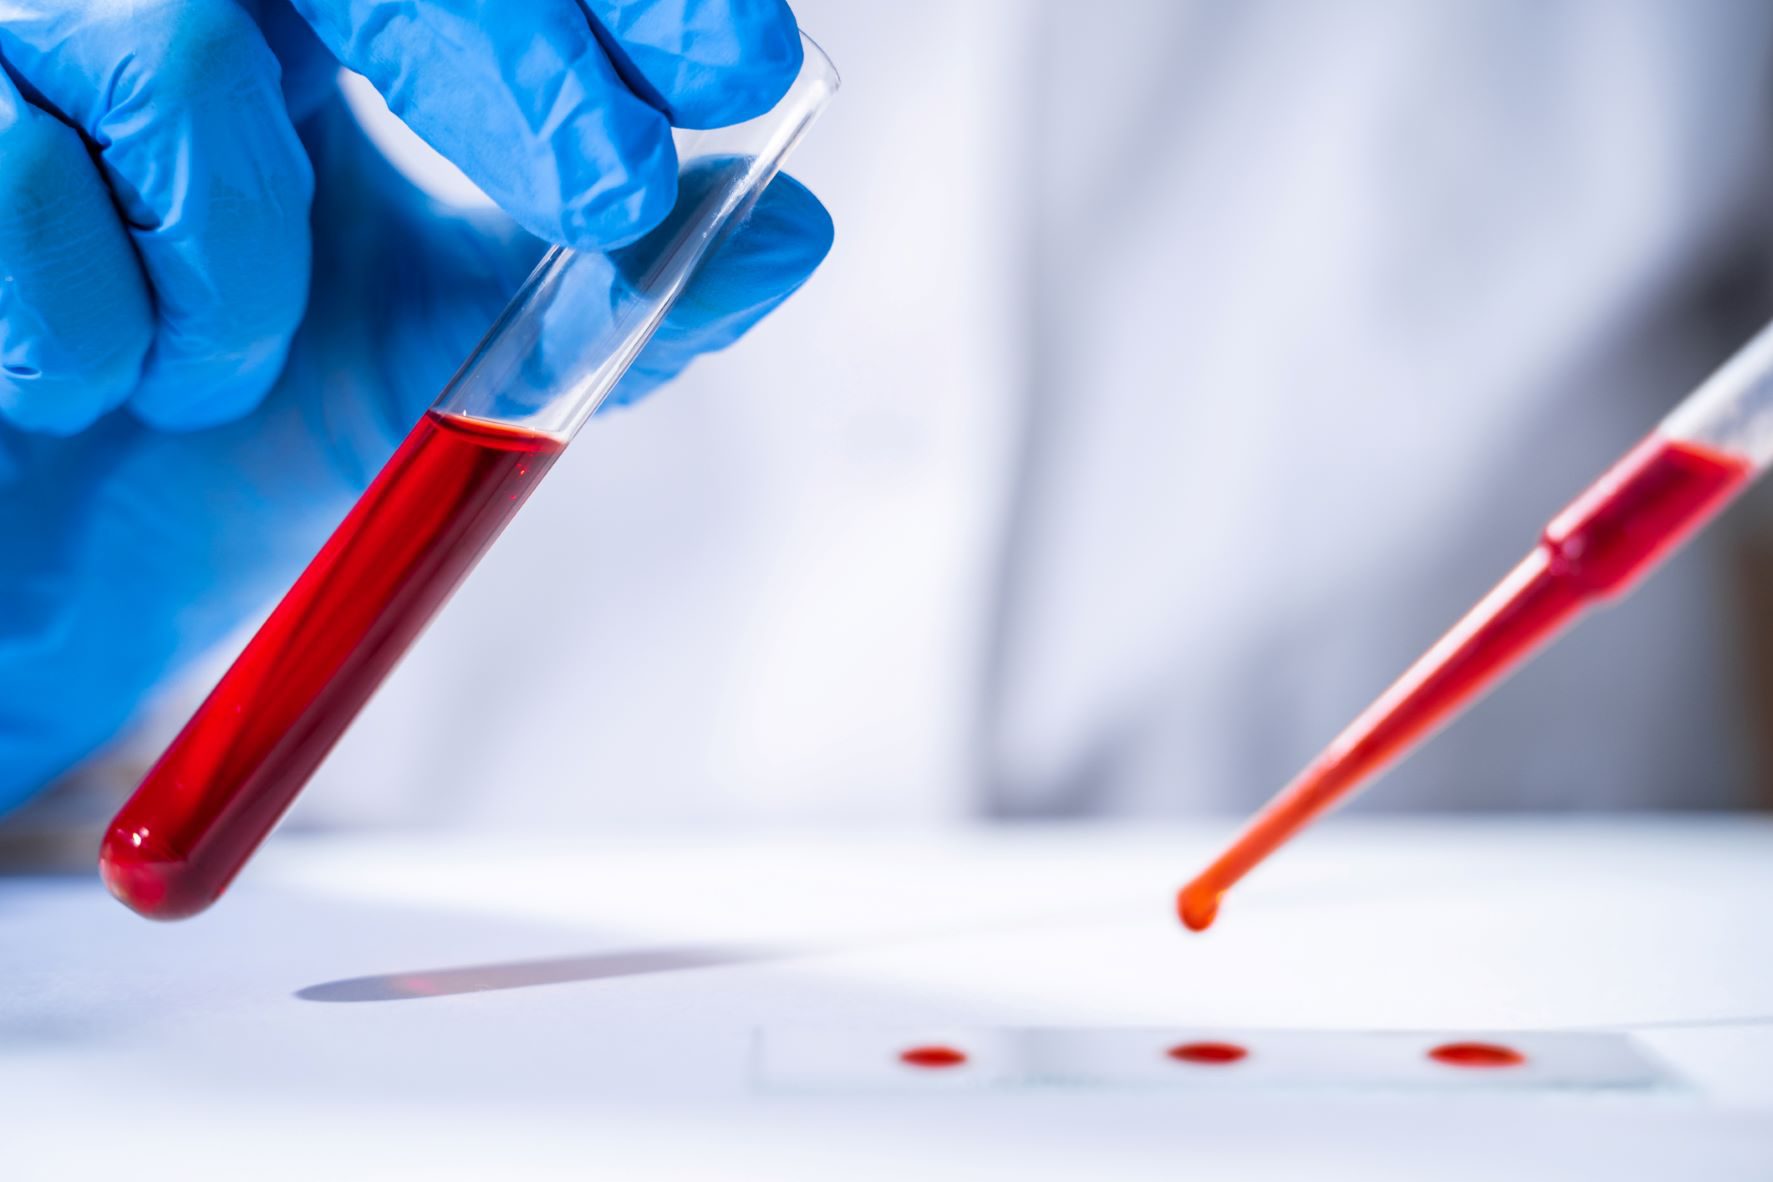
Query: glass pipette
(1698, 459)
(556, 351)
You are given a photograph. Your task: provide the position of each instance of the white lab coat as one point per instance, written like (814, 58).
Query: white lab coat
(1181, 370)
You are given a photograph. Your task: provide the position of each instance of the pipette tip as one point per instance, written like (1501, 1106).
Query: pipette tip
(1197, 905)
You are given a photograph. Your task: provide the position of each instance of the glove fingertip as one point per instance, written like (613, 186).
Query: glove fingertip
(781, 244)
(797, 222)
(608, 202)
(697, 95)
(786, 238)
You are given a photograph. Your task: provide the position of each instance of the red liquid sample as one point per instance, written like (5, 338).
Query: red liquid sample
(1214, 1053)
(1476, 1054)
(935, 1057)
(239, 763)
(1629, 519)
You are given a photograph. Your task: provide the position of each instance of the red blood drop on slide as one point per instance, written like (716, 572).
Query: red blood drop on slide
(1213, 1053)
(934, 1057)
(1476, 1054)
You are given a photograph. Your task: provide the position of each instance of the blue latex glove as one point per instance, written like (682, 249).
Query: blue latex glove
(220, 308)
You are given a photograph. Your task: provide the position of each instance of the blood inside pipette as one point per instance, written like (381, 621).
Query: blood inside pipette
(239, 763)
(1644, 506)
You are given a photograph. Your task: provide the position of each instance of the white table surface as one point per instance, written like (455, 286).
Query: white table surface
(430, 1007)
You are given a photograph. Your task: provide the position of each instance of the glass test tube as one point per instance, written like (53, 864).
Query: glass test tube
(550, 359)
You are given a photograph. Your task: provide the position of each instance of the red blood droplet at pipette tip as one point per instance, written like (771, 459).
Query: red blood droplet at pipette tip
(239, 763)
(1616, 531)
(1198, 904)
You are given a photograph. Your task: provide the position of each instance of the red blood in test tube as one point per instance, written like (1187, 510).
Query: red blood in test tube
(1211, 1053)
(936, 1056)
(241, 760)
(1640, 509)
(1476, 1054)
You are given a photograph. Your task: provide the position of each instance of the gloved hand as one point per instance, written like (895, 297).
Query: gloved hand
(221, 308)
